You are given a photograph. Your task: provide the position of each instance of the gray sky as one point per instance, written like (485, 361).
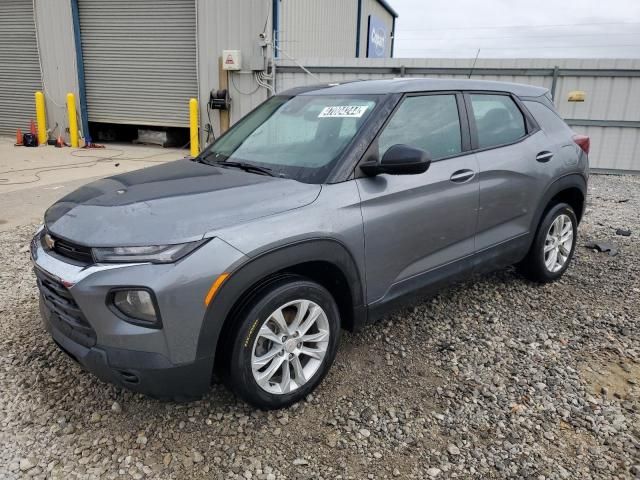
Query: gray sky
(518, 28)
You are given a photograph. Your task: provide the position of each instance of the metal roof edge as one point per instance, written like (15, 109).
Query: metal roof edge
(388, 8)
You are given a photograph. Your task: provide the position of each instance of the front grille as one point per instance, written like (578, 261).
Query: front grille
(66, 315)
(71, 250)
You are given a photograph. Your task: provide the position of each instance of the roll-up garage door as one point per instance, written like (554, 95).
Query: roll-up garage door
(139, 60)
(19, 67)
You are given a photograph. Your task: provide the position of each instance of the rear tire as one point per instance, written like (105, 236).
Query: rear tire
(284, 343)
(553, 245)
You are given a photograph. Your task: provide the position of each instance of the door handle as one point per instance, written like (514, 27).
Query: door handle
(462, 176)
(544, 157)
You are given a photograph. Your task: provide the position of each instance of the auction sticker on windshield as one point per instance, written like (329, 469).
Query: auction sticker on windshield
(341, 111)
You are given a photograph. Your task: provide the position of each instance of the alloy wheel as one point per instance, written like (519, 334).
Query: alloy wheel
(558, 243)
(290, 346)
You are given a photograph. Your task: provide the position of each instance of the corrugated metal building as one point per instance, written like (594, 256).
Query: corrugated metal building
(138, 62)
(19, 69)
(334, 28)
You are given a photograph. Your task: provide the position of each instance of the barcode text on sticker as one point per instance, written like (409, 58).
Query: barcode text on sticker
(349, 111)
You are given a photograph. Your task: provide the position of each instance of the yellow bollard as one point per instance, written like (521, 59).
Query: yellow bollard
(41, 119)
(193, 127)
(73, 120)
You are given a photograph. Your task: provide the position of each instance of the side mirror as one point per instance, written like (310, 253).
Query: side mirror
(399, 160)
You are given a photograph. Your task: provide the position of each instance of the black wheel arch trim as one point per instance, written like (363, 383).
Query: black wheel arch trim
(572, 180)
(250, 272)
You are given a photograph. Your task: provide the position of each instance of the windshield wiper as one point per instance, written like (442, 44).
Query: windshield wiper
(203, 158)
(247, 167)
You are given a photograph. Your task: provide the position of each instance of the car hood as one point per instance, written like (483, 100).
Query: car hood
(171, 203)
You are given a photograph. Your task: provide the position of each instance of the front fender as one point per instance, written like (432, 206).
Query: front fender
(248, 274)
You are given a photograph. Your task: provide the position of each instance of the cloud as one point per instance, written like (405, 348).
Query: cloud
(515, 28)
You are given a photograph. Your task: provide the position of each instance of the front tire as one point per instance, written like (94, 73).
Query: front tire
(284, 343)
(553, 246)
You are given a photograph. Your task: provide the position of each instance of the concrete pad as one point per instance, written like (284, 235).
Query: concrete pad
(31, 179)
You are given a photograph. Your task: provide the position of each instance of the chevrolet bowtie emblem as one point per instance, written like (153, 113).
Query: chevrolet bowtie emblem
(49, 242)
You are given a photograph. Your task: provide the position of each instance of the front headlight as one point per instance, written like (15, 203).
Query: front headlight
(150, 253)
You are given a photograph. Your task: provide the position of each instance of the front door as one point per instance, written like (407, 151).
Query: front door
(415, 225)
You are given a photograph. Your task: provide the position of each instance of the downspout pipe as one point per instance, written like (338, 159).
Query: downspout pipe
(84, 117)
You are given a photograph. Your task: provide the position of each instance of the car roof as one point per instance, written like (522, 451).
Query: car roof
(409, 85)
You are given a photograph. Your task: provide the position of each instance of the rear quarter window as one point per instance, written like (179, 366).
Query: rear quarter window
(548, 119)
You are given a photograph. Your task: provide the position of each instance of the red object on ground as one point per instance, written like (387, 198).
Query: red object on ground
(33, 128)
(59, 142)
(19, 138)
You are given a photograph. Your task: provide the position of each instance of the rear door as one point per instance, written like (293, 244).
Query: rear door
(416, 224)
(512, 152)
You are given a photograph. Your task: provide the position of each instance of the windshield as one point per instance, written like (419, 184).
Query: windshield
(298, 137)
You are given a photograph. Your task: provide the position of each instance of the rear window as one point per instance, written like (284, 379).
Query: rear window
(498, 119)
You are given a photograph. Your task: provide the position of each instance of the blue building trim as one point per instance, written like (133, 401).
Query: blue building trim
(275, 13)
(82, 91)
(393, 35)
(358, 28)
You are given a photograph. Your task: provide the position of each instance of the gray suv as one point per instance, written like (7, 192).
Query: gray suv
(321, 210)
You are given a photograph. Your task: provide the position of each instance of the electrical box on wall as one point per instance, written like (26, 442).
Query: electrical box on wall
(231, 59)
(257, 63)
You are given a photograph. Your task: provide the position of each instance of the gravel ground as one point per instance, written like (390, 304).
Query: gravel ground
(495, 378)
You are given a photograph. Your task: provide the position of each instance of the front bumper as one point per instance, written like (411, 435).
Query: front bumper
(144, 372)
(164, 363)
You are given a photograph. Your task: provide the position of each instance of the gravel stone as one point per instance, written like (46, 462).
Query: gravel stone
(27, 464)
(197, 457)
(453, 450)
(493, 378)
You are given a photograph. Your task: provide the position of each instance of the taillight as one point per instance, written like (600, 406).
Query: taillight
(583, 142)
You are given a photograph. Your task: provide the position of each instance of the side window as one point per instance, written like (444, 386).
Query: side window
(498, 120)
(428, 122)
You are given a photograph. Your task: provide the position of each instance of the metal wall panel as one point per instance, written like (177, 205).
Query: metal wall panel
(139, 60)
(318, 28)
(57, 54)
(613, 148)
(612, 87)
(19, 69)
(230, 25)
(608, 97)
(373, 7)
